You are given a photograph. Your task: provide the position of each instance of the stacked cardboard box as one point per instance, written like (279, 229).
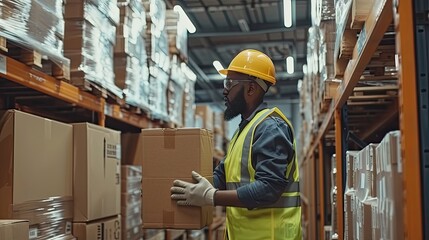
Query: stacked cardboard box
(188, 113)
(131, 182)
(36, 173)
(90, 36)
(96, 184)
(14, 229)
(131, 70)
(390, 187)
(165, 155)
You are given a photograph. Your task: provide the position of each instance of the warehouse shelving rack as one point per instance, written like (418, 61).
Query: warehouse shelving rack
(411, 103)
(63, 101)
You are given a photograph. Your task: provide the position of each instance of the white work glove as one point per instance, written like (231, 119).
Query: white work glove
(191, 194)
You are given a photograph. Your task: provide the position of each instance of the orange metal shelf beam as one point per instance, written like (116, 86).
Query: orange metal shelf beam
(25, 75)
(34, 79)
(413, 225)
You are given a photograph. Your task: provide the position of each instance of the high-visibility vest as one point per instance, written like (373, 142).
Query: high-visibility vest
(281, 220)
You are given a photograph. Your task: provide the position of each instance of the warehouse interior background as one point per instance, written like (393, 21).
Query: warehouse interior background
(122, 97)
(224, 28)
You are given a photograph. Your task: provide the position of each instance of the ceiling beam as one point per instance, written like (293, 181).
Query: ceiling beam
(305, 24)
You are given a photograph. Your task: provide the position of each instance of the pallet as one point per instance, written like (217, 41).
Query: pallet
(78, 79)
(34, 59)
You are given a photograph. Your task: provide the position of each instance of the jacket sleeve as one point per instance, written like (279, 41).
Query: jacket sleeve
(219, 181)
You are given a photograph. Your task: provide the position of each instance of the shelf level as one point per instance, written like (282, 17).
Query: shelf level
(22, 74)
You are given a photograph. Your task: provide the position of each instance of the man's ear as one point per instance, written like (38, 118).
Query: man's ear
(252, 88)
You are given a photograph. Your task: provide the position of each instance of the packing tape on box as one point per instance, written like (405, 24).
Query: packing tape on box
(169, 138)
(168, 217)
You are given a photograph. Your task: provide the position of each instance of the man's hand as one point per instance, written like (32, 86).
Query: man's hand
(190, 194)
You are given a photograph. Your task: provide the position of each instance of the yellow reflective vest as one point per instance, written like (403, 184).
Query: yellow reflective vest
(281, 220)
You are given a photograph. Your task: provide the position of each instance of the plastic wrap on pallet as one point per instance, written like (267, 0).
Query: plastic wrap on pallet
(342, 9)
(176, 90)
(159, 49)
(131, 30)
(158, 80)
(21, 23)
(189, 103)
(131, 222)
(157, 10)
(49, 218)
(131, 70)
(177, 34)
(322, 10)
(89, 44)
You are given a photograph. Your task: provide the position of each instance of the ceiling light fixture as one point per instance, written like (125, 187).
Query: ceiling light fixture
(218, 67)
(290, 68)
(189, 25)
(287, 13)
(244, 27)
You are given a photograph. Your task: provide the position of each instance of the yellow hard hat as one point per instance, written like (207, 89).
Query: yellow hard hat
(253, 63)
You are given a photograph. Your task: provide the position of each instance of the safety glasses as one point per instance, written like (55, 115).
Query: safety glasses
(228, 84)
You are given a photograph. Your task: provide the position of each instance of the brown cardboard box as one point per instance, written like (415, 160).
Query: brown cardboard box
(105, 229)
(14, 229)
(175, 153)
(35, 158)
(166, 155)
(97, 172)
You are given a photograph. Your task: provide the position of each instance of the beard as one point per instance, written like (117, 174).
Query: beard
(236, 106)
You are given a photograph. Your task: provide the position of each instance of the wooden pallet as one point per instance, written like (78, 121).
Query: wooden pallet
(35, 59)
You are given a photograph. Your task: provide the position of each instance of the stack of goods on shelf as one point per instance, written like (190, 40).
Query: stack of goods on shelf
(159, 61)
(319, 84)
(204, 117)
(175, 90)
(219, 133)
(32, 30)
(36, 159)
(188, 113)
(166, 155)
(373, 197)
(177, 34)
(90, 36)
(96, 182)
(131, 178)
(130, 57)
(389, 190)
(349, 195)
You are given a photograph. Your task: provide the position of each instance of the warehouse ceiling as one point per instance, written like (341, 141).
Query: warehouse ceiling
(225, 27)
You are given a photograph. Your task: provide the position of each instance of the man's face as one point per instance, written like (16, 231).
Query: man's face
(234, 95)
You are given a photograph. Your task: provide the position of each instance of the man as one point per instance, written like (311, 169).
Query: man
(258, 181)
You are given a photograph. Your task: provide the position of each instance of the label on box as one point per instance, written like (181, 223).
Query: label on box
(68, 227)
(362, 180)
(111, 150)
(33, 233)
(2, 64)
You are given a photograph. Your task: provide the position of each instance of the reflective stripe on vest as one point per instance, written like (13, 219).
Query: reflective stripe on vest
(293, 186)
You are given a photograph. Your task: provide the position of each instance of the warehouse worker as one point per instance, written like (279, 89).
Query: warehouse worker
(258, 181)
